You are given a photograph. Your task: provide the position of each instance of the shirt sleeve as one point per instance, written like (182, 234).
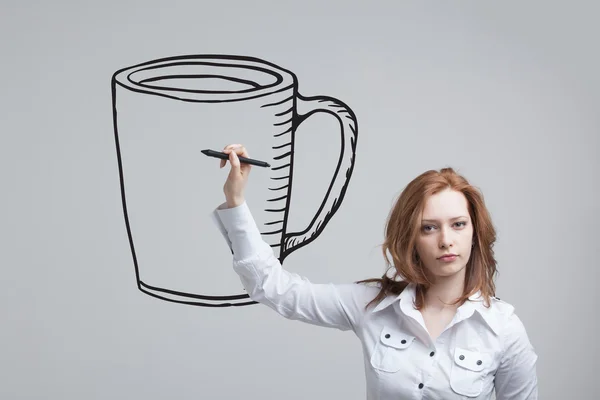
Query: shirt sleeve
(516, 378)
(293, 296)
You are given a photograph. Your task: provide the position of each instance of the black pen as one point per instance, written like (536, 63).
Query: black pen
(225, 156)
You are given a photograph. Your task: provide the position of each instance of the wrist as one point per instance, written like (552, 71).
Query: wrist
(231, 203)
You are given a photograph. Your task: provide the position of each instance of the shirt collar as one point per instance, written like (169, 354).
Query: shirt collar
(406, 299)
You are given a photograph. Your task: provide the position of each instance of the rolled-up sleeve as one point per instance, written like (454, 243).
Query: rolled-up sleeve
(516, 378)
(293, 296)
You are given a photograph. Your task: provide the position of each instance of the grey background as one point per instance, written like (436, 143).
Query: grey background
(505, 92)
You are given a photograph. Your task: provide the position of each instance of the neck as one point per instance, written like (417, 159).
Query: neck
(444, 291)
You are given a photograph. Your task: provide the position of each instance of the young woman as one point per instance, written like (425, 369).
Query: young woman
(434, 329)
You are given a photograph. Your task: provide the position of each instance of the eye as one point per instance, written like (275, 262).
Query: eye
(464, 223)
(426, 228)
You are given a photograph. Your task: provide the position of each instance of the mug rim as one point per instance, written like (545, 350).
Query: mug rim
(284, 79)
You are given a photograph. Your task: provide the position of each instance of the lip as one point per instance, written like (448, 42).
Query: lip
(448, 257)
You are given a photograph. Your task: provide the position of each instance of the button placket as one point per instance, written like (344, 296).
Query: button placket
(429, 365)
(435, 350)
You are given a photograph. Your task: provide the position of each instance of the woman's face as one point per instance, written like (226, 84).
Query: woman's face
(445, 228)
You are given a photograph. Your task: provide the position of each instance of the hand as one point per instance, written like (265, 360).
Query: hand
(238, 175)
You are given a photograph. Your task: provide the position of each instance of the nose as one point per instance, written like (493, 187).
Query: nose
(445, 238)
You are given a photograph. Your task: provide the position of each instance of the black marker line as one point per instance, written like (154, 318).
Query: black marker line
(279, 188)
(276, 210)
(289, 130)
(192, 295)
(278, 77)
(281, 146)
(281, 156)
(277, 198)
(272, 232)
(280, 167)
(279, 102)
(274, 222)
(197, 76)
(291, 109)
(280, 178)
(284, 122)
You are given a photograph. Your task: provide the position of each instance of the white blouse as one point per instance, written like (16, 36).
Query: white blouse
(481, 350)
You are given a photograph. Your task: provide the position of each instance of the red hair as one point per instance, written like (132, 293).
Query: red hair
(402, 228)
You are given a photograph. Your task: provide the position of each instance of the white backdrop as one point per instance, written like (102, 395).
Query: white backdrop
(506, 93)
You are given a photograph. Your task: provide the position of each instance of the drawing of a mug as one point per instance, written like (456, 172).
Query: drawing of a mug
(165, 112)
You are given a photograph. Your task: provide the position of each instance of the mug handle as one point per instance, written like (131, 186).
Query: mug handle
(306, 107)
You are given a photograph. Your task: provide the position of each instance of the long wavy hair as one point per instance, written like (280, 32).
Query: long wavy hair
(402, 228)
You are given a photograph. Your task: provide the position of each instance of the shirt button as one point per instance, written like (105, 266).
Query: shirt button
(478, 362)
(461, 357)
(431, 354)
(420, 386)
(387, 335)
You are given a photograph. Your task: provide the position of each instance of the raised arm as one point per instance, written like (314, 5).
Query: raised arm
(338, 306)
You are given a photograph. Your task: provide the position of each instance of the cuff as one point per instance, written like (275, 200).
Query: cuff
(239, 229)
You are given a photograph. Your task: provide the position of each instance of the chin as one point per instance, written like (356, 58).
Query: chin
(449, 270)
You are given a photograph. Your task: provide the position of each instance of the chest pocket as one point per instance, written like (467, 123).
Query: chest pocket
(468, 371)
(391, 350)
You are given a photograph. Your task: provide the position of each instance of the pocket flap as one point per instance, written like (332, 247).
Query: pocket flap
(394, 338)
(469, 359)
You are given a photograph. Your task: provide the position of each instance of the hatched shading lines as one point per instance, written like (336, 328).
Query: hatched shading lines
(278, 102)
(287, 121)
(274, 222)
(280, 167)
(283, 133)
(278, 198)
(275, 209)
(285, 112)
(284, 155)
(280, 188)
(283, 145)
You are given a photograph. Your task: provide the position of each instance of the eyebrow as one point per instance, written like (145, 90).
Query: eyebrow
(435, 220)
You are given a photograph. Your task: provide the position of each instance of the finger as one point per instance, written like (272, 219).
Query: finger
(242, 151)
(239, 149)
(231, 146)
(227, 149)
(235, 161)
